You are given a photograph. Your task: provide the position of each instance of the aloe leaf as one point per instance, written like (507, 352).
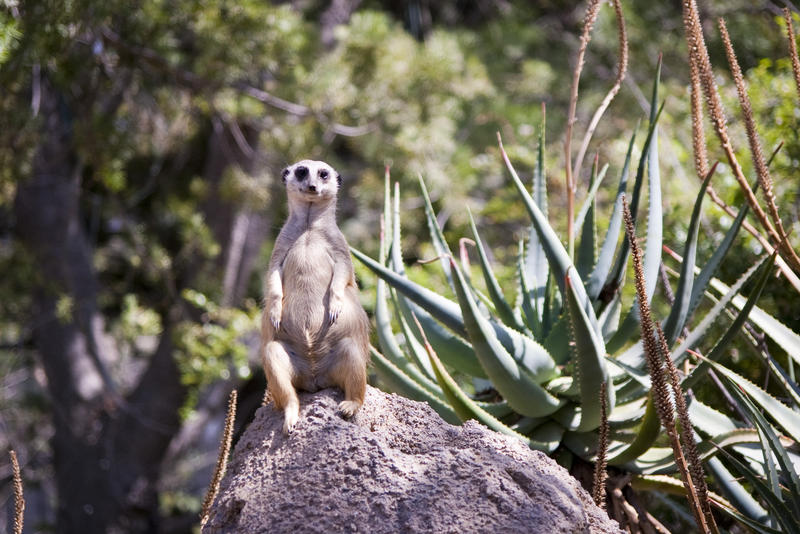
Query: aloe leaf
(466, 408)
(652, 251)
(609, 317)
(389, 344)
(396, 251)
(440, 307)
(734, 491)
(606, 256)
(589, 201)
(784, 417)
(680, 308)
(708, 270)
(589, 357)
(437, 237)
(557, 341)
(536, 269)
(512, 381)
(528, 300)
(451, 348)
(712, 316)
(645, 437)
(771, 445)
(616, 274)
(501, 305)
(398, 381)
(532, 356)
(661, 460)
(719, 348)
(756, 526)
(586, 221)
(414, 348)
(557, 256)
(710, 421)
(383, 321)
(495, 409)
(777, 508)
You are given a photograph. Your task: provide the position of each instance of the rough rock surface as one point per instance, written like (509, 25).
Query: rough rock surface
(396, 467)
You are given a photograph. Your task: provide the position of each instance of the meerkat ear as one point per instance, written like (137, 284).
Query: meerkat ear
(284, 175)
(339, 179)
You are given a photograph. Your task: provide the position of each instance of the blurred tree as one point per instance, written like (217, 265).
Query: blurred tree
(138, 147)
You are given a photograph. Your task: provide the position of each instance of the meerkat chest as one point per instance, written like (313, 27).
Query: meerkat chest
(309, 262)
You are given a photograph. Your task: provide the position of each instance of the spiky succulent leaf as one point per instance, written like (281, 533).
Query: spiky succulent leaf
(557, 256)
(605, 258)
(589, 358)
(536, 270)
(771, 446)
(398, 381)
(680, 307)
(467, 409)
(719, 348)
(512, 380)
(587, 248)
(784, 417)
(437, 237)
(501, 305)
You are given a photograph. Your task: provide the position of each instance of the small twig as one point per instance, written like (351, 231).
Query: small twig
(588, 22)
(622, 68)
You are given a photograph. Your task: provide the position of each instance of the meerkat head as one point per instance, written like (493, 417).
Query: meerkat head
(312, 180)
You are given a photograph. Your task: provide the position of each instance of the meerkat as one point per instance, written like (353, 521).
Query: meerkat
(314, 331)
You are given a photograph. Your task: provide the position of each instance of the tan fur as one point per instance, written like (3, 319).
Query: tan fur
(314, 332)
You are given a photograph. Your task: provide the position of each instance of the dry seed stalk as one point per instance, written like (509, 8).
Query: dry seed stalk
(787, 15)
(699, 54)
(19, 498)
(659, 389)
(222, 459)
(762, 171)
(600, 474)
(588, 22)
(687, 434)
(698, 130)
(622, 68)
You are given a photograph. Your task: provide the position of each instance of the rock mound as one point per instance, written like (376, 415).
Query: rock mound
(396, 467)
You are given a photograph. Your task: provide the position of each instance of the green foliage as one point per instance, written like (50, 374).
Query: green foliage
(214, 347)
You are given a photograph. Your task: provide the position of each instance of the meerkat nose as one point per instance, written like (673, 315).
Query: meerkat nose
(312, 188)
(301, 172)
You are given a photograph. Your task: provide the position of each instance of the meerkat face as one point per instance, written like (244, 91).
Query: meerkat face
(313, 180)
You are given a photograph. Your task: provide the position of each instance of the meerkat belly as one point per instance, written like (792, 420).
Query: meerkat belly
(306, 291)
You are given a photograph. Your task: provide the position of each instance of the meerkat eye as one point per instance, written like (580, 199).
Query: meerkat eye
(323, 174)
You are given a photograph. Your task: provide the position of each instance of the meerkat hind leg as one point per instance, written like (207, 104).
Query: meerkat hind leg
(350, 374)
(279, 370)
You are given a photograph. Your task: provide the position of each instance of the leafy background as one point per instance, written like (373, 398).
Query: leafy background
(139, 155)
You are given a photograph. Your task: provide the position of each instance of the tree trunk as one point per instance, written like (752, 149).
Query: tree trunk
(106, 449)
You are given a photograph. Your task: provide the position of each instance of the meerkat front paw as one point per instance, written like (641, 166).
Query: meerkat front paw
(275, 313)
(349, 408)
(334, 307)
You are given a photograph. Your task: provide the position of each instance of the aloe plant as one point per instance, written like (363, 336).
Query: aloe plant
(547, 354)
